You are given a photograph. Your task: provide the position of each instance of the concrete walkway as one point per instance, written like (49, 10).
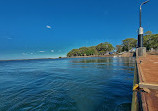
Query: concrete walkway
(148, 81)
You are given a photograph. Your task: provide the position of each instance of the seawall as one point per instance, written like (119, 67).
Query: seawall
(145, 84)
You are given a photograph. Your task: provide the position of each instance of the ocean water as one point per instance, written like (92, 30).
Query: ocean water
(76, 84)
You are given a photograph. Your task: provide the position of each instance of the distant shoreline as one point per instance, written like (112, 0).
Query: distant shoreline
(29, 59)
(53, 58)
(113, 55)
(91, 56)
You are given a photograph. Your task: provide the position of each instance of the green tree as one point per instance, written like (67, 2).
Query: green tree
(74, 52)
(102, 48)
(148, 33)
(118, 48)
(154, 41)
(93, 50)
(147, 40)
(128, 44)
(150, 40)
(83, 50)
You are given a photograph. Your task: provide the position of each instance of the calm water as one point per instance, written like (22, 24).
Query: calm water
(84, 84)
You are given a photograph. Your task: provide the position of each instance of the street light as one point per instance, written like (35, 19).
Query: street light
(140, 35)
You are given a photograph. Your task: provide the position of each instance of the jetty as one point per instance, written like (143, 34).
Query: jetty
(145, 85)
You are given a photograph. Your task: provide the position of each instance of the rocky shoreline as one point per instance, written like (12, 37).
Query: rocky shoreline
(127, 54)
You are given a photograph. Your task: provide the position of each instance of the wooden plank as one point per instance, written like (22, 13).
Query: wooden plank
(148, 85)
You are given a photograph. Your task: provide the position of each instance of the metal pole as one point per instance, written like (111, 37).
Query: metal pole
(140, 34)
(140, 15)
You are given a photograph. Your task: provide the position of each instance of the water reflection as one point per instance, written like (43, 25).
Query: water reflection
(93, 60)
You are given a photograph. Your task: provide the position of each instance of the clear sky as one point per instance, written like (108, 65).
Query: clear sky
(51, 28)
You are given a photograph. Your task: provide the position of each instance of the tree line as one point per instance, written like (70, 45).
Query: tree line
(149, 41)
(100, 49)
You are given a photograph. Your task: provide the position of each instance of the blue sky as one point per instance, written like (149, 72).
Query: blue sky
(51, 28)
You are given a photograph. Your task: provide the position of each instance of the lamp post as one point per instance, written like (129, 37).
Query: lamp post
(140, 34)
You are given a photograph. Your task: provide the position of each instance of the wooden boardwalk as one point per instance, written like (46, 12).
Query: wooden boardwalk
(148, 81)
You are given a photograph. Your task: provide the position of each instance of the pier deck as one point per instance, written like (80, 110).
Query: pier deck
(148, 81)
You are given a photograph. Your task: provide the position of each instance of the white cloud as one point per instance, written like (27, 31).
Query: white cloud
(9, 38)
(52, 50)
(41, 51)
(24, 53)
(49, 27)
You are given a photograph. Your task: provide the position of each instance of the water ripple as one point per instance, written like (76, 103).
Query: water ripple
(84, 84)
